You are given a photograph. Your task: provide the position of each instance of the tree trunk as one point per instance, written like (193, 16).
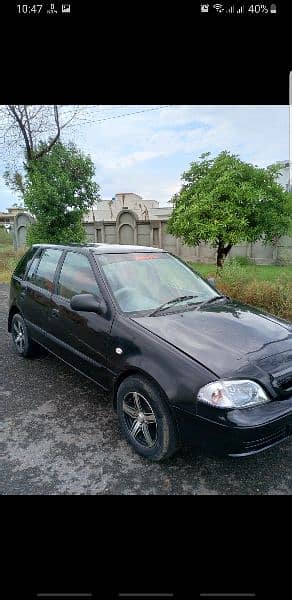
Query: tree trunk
(222, 253)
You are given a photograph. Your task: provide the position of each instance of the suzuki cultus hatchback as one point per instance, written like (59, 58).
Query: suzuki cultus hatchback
(181, 362)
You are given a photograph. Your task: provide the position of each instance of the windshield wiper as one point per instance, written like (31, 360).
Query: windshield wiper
(170, 303)
(212, 300)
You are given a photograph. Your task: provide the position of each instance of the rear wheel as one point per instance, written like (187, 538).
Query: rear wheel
(145, 419)
(22, 343)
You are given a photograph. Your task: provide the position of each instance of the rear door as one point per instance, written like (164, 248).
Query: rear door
(80, 338)
(18, 283)
(38, 291)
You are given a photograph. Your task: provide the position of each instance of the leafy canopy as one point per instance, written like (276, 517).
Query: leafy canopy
(59, 191)
(225, 201)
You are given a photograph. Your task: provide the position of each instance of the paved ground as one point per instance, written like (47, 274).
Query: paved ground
(61, 437)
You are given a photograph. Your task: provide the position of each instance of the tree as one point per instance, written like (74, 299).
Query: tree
(22, 127)
(59, 191)
(224, 201)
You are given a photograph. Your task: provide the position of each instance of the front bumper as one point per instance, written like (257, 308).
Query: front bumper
(236, 432)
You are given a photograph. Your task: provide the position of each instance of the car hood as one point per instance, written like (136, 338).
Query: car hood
(225, 337)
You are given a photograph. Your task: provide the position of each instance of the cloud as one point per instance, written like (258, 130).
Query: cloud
(147, 153)
(126, 143)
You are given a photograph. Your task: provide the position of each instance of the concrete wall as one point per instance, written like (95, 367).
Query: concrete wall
(128, 229)
(127, 218)
(21, 222)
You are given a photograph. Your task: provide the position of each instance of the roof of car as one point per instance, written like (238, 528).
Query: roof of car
(103, 248)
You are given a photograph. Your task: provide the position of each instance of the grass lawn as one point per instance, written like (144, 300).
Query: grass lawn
(268, 287)
(5, 247)
(258, 272)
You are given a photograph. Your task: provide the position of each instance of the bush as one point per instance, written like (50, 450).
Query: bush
(5, 237)
(274, 297)
(8, 261)
(284, 258)
(242, 261)
(234, 274)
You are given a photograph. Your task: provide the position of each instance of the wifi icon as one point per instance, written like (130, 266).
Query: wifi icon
(218, 7)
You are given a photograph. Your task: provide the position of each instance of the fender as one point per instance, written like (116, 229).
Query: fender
(158, 360)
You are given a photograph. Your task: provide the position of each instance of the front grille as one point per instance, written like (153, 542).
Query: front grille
(276, 436)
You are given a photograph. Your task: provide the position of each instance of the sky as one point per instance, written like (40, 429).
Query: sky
(146, 153)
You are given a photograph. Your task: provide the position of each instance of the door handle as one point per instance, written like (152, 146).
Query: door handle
(55, 313)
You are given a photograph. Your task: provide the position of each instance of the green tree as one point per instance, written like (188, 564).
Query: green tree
(224, 201)
(59, 191)
(23, 127)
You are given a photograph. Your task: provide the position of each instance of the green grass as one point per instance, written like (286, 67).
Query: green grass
(258, 272)
(8, 261)
(268, 287)
(5, 247)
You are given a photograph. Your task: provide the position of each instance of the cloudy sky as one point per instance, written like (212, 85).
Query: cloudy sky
(146, 153)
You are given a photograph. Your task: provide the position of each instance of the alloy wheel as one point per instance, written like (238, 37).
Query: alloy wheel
(18, 335)
(140, 419)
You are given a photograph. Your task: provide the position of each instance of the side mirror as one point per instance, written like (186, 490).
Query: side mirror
(88, 303)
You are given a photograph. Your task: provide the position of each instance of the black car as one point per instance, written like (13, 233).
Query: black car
(181, 362)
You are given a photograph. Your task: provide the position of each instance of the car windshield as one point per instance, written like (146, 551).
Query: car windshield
(147, 282)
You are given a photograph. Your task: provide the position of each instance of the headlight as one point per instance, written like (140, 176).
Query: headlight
(239, 393)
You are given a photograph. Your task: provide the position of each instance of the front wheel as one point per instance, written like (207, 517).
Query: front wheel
(145, 419)
(23, 345)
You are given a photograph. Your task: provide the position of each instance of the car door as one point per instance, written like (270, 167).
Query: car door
(37, 292)
(79, 338)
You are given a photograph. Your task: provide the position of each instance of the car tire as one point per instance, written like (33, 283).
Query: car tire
(145, 419)
(22, 342)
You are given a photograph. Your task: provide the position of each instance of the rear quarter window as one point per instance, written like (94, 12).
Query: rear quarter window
(44, 274)
(24, 263)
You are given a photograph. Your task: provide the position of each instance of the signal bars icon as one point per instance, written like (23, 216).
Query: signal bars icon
(233, 10)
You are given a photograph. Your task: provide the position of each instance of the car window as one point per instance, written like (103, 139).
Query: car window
(44, 275)
(32, 266)
(77, 277)
(24, 262)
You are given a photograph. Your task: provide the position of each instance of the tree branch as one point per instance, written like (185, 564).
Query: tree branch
(28, 128)
(48, 147)
(18, 118)
(69, 120)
